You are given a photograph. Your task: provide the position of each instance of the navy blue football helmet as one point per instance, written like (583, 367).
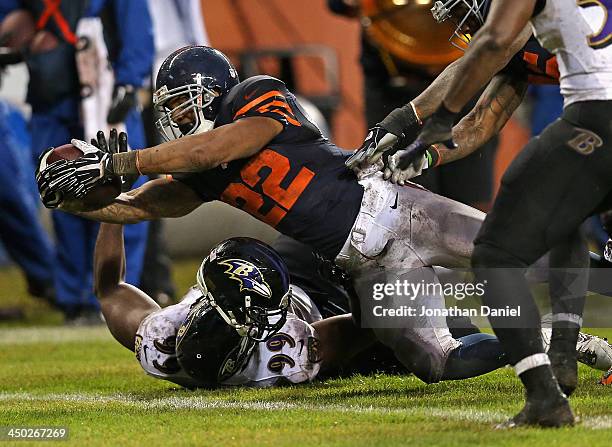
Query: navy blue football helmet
(247, 283)
(188, 90)
(464, 10)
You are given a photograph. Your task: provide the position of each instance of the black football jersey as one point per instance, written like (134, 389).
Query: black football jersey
(297, 183)
(536, 62)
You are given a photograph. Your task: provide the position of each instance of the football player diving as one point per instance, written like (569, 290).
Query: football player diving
(243, 324)
(250, 145)
(560, 178)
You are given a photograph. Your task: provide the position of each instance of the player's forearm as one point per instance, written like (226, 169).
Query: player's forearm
(493, 110)
(155, 199)
(490, 51)
(123, 305)
(431, 98)
(120, 212)
(109, 259)
(196, 153)
(186, 154)
(482, 63)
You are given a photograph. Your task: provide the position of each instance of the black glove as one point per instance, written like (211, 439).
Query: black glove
(117, 143)
(438, 129)
(124, 98)
(398, 127)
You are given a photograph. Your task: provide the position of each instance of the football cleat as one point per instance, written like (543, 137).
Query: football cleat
(545, 413)
(607, 378)
(594, 351)
(608, 251)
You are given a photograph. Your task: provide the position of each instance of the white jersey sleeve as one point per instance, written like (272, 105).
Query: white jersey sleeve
(155, 341)
(303, 307)
(579, 33)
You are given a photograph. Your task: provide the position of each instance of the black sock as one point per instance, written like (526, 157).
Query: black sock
(540, 383)
(564, 339)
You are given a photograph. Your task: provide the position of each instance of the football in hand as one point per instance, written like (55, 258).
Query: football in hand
(100, 196)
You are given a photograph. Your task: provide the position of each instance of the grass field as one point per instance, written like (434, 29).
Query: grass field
(81, 378)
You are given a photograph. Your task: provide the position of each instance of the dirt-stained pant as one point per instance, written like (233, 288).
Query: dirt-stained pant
(399, 233)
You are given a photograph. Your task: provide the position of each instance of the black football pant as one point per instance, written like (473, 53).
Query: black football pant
(559, 179)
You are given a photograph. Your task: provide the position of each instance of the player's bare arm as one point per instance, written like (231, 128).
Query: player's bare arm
(192, 153)
(155, 199)
(492, 111)
(201, 152)
(340, 340)
(496, 105)
(420, 154)
(405, 123)
(431, 98)
(490, 50)
(123, 305)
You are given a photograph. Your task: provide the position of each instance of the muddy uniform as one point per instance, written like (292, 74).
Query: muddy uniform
(299, 185)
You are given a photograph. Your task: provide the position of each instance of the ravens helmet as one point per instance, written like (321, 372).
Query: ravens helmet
(207, 348)
(188, 90)
(468, 16)
(247, 283)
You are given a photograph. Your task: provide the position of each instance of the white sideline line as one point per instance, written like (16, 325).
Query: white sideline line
(203, 403)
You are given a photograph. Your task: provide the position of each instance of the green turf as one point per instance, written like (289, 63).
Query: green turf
(81, 378)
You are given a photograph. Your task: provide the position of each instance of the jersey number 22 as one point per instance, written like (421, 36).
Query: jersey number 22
(277, 167)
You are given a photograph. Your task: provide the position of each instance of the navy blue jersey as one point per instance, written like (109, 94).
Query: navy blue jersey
(537, 63)
(297, 183)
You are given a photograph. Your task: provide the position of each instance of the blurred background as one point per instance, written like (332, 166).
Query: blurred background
(350, 62)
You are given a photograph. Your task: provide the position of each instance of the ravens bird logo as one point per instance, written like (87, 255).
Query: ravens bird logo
(249, 276)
